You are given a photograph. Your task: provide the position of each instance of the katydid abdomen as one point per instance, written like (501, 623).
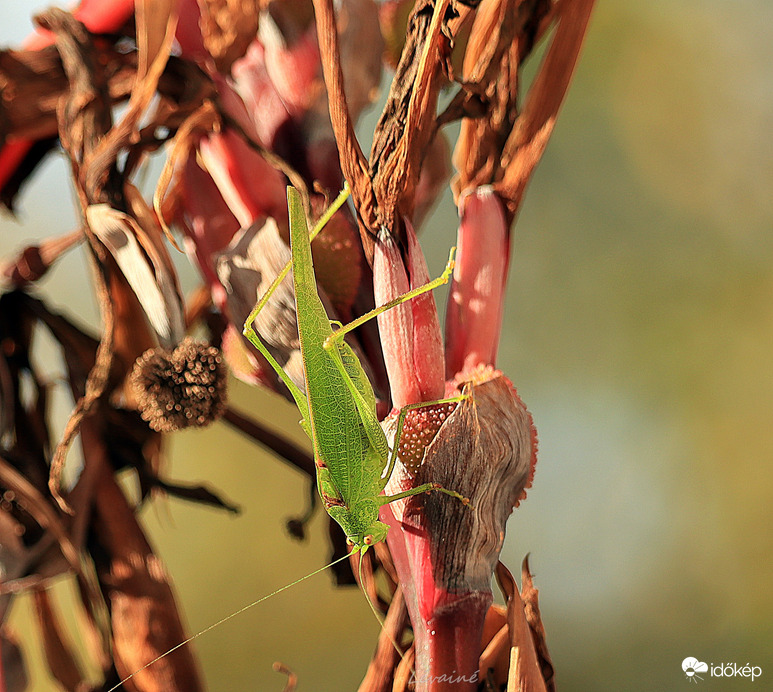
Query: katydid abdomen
(348, 467)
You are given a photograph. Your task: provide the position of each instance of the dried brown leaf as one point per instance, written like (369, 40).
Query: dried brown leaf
(58, 655)
(524, 674)
(533, 128)
(530, 598)
(153, 285)
(502, 35)
(227, 28)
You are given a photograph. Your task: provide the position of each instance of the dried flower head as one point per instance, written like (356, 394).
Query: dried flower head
(185, 388)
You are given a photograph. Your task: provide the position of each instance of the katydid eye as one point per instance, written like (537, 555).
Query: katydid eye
(368, 540)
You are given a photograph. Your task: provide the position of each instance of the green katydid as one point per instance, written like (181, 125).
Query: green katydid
(351, 452)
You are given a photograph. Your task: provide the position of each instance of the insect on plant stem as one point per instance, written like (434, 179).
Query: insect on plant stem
(338, 407)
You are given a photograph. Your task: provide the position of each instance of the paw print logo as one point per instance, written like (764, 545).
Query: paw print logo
(692, 666)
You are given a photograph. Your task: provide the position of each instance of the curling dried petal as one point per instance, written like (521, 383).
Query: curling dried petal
(249, 185)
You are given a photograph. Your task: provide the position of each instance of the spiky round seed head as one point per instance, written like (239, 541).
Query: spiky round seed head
(185, 388)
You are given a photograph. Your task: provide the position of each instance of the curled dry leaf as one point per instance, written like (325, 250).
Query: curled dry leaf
(156, 290)
(530, 597)
(524, 667)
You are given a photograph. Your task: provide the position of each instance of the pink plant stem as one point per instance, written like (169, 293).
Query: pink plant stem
(449, 644)
(476, 299)
(447, 627)
(410, 333)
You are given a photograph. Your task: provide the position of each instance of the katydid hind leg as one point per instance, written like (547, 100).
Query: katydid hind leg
(339, 333)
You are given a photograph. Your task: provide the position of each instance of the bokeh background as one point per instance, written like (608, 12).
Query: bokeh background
(639, 331)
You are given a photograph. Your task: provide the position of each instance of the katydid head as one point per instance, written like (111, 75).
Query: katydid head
(360, 524)
(376, 533)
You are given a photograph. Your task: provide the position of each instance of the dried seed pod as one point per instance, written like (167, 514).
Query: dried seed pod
(185, 388)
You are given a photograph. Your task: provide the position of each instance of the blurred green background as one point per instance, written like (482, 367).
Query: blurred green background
(639, 331)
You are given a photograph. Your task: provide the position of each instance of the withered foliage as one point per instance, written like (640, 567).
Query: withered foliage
(243, 97)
